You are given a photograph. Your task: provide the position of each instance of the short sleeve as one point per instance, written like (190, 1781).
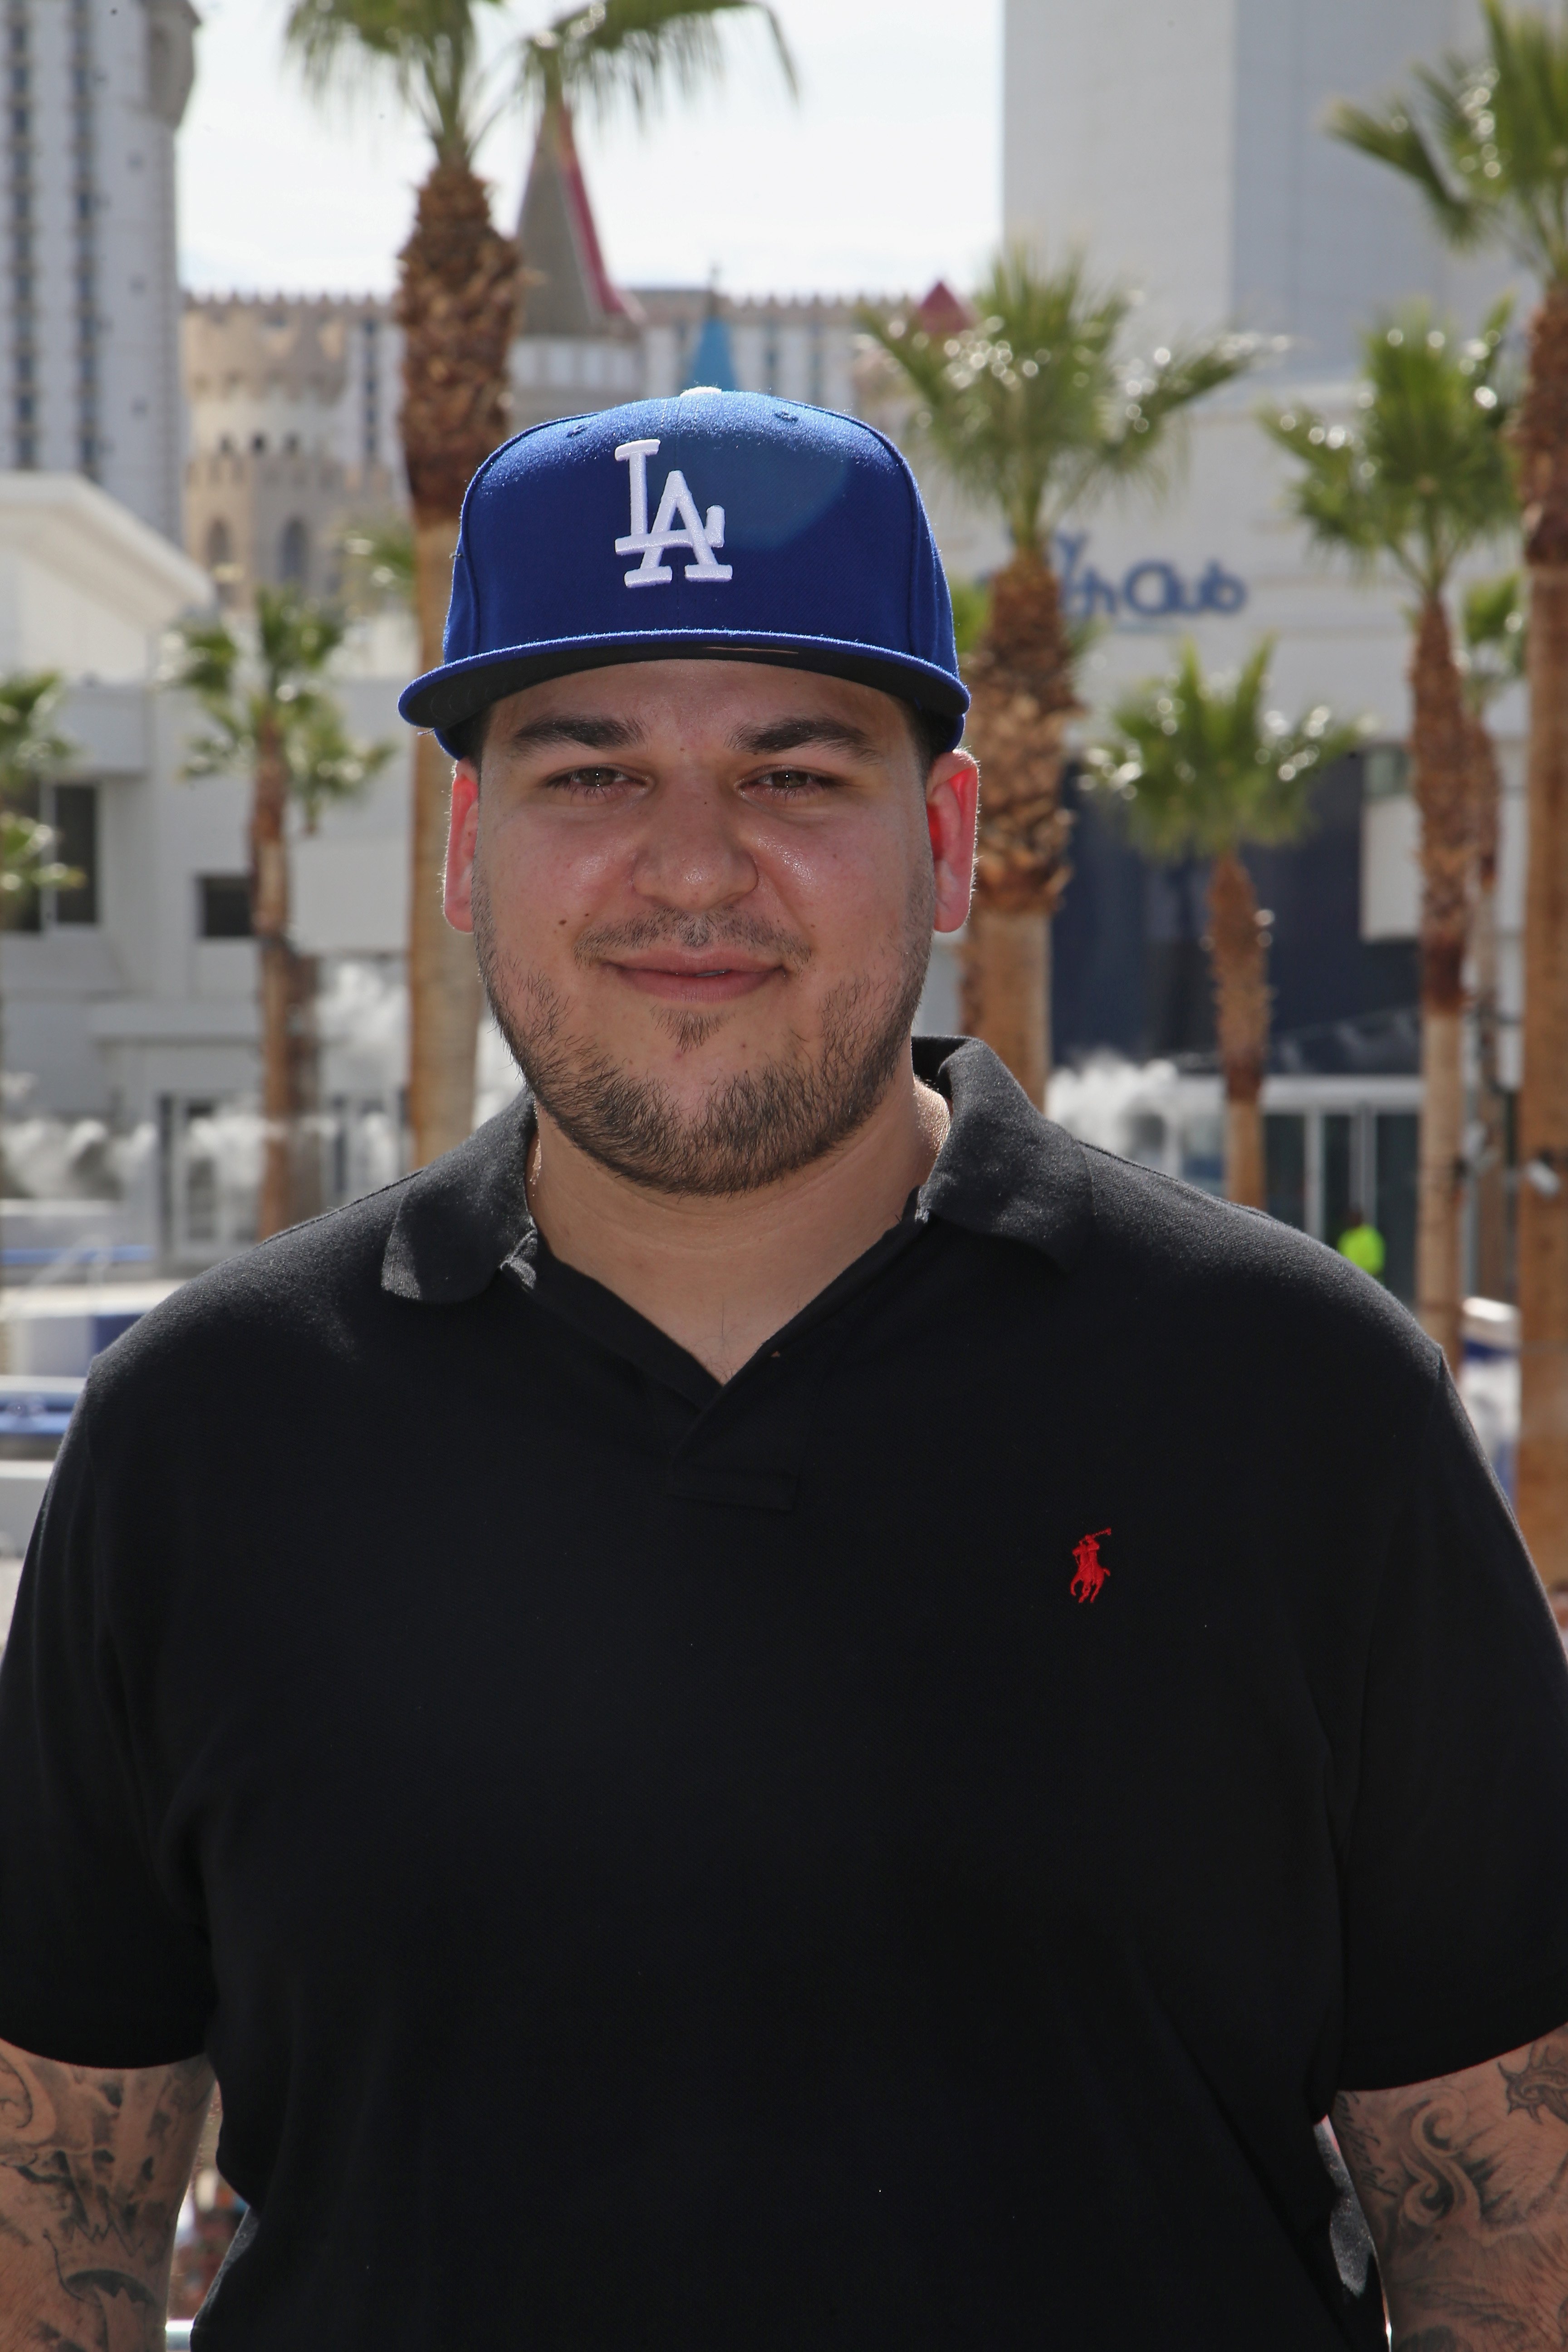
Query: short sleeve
(1455, 1881)
(97, 1965)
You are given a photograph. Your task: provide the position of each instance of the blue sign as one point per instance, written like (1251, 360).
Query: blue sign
(1151, 591)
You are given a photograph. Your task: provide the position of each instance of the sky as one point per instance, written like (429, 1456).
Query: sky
(884, 175)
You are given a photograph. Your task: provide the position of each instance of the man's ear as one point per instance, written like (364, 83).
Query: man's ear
(462, 839)
(953, 814)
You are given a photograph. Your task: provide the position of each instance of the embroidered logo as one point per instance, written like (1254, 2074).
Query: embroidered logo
(676, 524)
(1091, 1570)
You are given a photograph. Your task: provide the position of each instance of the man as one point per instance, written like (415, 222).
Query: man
(772, 1708)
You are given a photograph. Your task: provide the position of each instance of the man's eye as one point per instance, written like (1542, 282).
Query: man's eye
(588, 780)
(793, 781)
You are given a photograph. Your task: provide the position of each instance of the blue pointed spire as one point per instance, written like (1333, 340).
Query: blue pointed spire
(712, 361)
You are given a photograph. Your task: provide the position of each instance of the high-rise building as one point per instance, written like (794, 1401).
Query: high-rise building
(94, 90)
(1186, 148)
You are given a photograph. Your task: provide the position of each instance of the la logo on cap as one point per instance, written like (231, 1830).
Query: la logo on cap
(676, 524)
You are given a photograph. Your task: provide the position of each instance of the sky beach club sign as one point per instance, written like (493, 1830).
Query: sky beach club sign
(1149, 592)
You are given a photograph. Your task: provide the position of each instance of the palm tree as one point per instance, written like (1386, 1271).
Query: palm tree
(1036, 410)
(460, 305)
(1493, 618)
(269, 712)
(29, 748)
(1485, 140)
(1416, 485)
(1200, 769)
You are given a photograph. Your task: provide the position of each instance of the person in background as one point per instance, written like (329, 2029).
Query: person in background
(1364, 1246)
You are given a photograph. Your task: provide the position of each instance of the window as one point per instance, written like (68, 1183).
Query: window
(75, 819)
(294, 552)
(220, 546)
(1385, 772)
(224, 905)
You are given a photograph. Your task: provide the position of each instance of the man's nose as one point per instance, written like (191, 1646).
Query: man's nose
(692, 855)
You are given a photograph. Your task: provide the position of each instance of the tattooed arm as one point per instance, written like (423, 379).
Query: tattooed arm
(1464, 2182)
(93, 2167)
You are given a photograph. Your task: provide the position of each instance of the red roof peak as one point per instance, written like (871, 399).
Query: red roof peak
(944, 312)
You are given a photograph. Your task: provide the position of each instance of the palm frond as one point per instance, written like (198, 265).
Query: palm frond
(1421, 477)
(1199, 766)
(325, 762)
(429, 51)
(1037, 407)
(1395, 138)
(1495, 638)
(1485, 138)
(639, 50)
(269, 684)
(29, 745)
(379, 560)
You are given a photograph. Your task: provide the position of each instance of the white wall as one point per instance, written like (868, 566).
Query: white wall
(1118, 126)
(85, 587)
(1184, 149)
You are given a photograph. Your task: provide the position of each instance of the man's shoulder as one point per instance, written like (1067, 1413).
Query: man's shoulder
(311, 1279)
(1233, 1273)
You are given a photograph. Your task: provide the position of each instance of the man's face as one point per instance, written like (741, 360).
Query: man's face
(702, 895)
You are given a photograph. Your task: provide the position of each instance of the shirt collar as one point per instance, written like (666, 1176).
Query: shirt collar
(1004, 1171)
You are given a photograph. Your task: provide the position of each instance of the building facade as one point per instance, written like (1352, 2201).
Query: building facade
(292, 436)
(1185, 152)
(89, 300)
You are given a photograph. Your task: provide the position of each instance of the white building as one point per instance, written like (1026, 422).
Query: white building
(130, 1000)
(89, 300)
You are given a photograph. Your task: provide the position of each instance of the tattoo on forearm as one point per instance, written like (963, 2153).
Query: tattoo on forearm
(93, 2166)
(1464, 2182)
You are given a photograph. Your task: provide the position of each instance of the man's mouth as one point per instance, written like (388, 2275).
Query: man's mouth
(675, 981)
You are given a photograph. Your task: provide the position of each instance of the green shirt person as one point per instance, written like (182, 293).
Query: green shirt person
(1364, 1246)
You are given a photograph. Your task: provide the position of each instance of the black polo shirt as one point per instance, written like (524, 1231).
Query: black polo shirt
(892, 1853)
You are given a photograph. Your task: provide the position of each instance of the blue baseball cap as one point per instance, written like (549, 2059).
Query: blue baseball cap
(729, 526)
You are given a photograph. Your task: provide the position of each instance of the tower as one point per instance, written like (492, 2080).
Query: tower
(580, 345)
(89, 296)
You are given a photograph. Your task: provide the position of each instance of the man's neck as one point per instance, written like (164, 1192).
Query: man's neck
(719, 1276)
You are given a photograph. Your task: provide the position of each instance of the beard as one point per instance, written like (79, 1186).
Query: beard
(753, 1127)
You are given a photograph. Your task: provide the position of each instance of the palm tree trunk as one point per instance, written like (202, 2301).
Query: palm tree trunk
(1021, 678)
(1239, 960)
(270, 922)
(1006, 994)
(1491, 1173)
(1542, 441)
(1441, 761)
(459, 306)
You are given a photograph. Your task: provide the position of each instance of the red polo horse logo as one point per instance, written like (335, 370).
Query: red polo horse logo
(1091, 1570)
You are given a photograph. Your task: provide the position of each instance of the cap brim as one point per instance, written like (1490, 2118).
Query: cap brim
(445, 699)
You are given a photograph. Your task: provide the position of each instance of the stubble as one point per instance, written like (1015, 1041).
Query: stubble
(755, 1125)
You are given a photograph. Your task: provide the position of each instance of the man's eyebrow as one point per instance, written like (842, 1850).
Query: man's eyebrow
(792, 734)
(593, 734)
